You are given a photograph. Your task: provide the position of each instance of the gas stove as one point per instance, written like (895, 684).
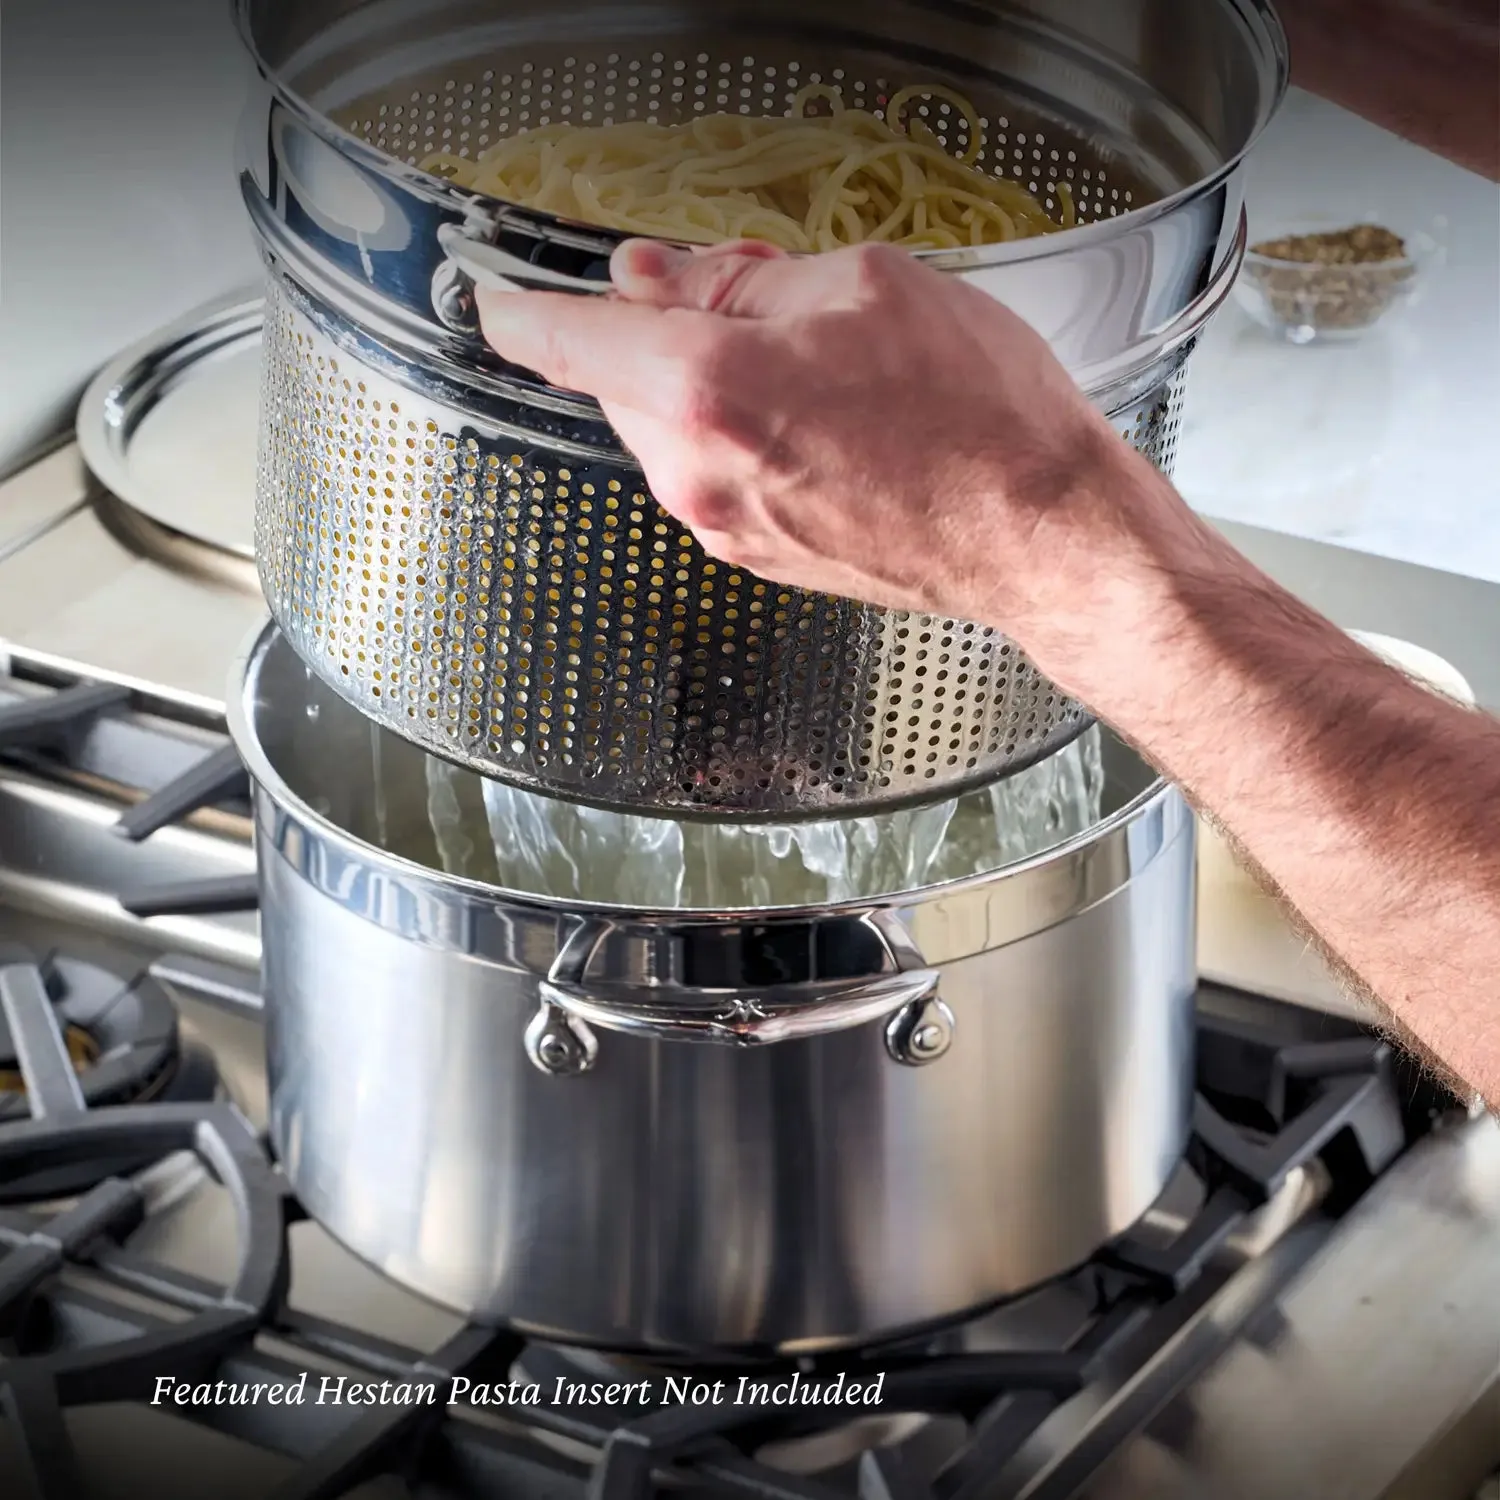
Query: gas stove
(1313, 1308)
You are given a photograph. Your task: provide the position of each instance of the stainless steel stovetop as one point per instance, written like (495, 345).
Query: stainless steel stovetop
(1312, 1310)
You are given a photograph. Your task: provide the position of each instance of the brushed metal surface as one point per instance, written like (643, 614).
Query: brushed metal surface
(60, 858)
(797, 1194)
(39, 497)
(1373, 1375)
(89, 597)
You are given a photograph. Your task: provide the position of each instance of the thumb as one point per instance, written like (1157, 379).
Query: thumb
(740, 279)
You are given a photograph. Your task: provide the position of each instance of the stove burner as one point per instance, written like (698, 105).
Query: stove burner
(44, 1377)
(958, 1413)
(83, 1038)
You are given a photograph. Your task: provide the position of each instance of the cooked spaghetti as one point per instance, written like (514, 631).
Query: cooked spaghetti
(803, 182)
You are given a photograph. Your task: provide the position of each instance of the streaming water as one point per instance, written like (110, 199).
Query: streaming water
(455, 847)
(382, 794)
(487, 831)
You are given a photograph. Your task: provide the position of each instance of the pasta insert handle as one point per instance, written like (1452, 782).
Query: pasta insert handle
(512, 261)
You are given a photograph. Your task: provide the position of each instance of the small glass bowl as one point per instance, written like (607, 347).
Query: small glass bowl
(1308, 301)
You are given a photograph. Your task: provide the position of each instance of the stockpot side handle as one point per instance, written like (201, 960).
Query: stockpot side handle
(779, 1013)
(560, 1040)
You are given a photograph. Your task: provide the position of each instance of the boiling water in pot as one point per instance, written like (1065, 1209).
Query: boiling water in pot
(387, 792)
(488, 831)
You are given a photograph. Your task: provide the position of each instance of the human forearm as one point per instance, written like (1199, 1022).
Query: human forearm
(858, 425)
(1370, 804)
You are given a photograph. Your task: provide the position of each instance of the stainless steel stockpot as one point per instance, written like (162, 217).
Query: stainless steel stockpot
(739, 1131)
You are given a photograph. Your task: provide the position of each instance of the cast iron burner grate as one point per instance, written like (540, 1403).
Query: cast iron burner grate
(84, 1321)
(74, 1036)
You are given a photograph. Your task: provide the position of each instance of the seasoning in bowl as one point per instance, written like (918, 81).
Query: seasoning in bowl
(1328, 283)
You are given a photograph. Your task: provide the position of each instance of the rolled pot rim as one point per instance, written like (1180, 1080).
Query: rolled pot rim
(240, 720)
(1253, 14)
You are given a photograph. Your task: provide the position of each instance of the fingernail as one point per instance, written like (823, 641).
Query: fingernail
(651, 260)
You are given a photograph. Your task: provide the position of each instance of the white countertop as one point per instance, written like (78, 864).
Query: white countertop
(1388, 445)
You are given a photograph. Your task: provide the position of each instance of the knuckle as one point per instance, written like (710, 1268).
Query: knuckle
(702, 409)
(875, 269)
(704, 506)
(723, 278)
(557, 355)
(752, 249)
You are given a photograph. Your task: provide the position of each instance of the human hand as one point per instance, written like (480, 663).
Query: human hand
(853, 424)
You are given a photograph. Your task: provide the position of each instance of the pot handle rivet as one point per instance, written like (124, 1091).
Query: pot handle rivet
(453, 300)
(559, 1044)
(920, 1033)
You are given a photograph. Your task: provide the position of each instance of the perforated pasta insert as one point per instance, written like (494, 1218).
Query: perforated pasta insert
(543, 620)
